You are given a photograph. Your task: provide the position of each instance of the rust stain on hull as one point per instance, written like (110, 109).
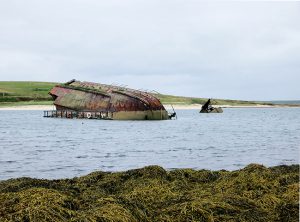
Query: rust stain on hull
(125, 103)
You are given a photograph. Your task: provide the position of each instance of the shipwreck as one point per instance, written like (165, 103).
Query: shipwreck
(76, 99)
(208, 108)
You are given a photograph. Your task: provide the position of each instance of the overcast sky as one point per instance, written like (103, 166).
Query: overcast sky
(234, 50)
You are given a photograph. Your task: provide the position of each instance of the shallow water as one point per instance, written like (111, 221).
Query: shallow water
(33, 146)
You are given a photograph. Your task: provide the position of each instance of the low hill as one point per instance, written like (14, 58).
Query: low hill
(285, 102)
(27, 93)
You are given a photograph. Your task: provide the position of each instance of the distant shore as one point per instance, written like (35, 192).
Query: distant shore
(198, 106)
(167, 106)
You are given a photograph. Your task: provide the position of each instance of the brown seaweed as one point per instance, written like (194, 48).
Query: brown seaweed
(255, 193)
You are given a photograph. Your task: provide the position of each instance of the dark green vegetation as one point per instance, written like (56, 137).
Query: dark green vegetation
(285, 102)
(255, 193)
(36, 93)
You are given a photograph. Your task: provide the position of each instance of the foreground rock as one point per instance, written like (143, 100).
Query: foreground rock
(255, 193)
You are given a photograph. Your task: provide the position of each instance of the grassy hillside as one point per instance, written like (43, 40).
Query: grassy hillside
(25, 91)
(29, 93)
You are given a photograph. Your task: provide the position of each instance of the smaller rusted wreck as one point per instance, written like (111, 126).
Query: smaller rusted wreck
(76, 99)
(208, 108)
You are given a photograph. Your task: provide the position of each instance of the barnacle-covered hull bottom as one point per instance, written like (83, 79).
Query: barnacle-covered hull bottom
(141, 115)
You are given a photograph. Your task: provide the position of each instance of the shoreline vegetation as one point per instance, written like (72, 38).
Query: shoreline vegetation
(24, 94)
(254, 193)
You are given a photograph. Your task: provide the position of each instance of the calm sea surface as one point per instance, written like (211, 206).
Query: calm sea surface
(33, 146)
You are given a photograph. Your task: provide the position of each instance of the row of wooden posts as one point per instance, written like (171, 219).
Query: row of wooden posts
(79, 114)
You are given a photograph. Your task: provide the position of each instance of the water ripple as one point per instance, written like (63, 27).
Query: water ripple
(31, 145)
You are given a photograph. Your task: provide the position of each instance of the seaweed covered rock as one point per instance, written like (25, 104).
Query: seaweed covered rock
(36, 204)
(255, 193)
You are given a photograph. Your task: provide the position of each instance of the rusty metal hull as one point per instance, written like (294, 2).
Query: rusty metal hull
(124, 103)
(213, 110)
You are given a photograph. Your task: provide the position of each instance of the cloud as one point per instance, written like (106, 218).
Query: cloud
(242, 50)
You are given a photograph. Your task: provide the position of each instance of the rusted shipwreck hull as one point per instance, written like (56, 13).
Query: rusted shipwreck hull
(112, 102)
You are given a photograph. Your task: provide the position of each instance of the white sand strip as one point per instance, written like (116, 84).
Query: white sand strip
(29, 107)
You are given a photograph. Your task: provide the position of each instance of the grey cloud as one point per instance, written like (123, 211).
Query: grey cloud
(193, 48)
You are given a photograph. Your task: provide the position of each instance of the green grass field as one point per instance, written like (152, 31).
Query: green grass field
(36, 93)
(25, 91)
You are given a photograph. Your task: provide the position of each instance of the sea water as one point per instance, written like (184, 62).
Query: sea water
(33, 146)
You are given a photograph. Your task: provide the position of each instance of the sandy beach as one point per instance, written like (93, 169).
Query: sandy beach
(29, 107)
